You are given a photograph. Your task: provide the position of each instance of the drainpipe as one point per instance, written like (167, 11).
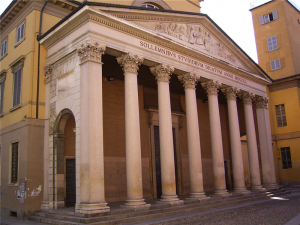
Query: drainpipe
(38, 72)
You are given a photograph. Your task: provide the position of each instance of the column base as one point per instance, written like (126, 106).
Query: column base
(257, 188)
(172, 200)
(242, 191)
(271, 186)
(136, 205)
(198, 196)
(221, 193)
(92, 208)
(45, 205)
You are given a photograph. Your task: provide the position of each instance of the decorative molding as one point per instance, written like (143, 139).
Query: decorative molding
(150, 118)
(261, 102)
(246, 97)
(285, 83)
(160, 3)
(230, 92)
(3, 75)
(91, 52)
(162, 72)
(17, 62)
(285, 136)
(189, 80)
(52, 117)
(48, 71)
(19, 42)
(130, 63)
(211, 87)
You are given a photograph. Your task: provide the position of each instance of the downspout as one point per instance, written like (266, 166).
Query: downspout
(38, 72)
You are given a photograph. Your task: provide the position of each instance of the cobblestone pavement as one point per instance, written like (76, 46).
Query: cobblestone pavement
(277, 211)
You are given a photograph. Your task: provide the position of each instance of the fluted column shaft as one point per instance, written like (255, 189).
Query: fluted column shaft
(265, 141)
(235, 141)
(162, 74)
(211, 88)
(189, 81)
(92, 195)
(130, 64)
(251, 142)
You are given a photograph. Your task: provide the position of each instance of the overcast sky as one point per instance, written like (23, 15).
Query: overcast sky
(233, 16)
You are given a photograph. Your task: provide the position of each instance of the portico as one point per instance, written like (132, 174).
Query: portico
(150, 128)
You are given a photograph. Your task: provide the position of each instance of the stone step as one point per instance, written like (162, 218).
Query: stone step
(131, 216)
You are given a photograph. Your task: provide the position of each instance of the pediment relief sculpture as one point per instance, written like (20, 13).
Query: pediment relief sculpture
(197, 36)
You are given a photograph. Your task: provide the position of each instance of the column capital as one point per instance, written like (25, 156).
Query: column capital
(261, 102)
(162, 72)
(89, 51)
(246, 97)
(230, 92)
(48, 70)
(130, 62)
(189, 80)
(211, 87)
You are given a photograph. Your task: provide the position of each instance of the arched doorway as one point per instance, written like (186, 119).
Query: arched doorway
(64, 165)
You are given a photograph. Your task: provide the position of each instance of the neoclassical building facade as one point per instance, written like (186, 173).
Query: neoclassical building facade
(150, 104)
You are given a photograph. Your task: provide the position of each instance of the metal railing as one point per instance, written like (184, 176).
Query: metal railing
(257, 3)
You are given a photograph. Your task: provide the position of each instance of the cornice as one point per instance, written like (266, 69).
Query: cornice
(13, 17)
(285, 83)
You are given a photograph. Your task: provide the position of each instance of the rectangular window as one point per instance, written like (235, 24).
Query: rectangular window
(3, 48)
(17, 87)
(286, 158)
(280, 115)
(20, 32)
(275, 64)
(272, 43)
(268, 17)
(14, 162)
(1, 96)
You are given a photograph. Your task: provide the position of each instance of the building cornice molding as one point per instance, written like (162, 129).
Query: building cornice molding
(285, 83)
(17, 62)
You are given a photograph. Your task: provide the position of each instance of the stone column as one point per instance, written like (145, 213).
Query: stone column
(235, 141)
(162, 74)
(92, 196)
(189, 81)
(130, 64)
(265, 142)
(247, 98)
(211, 88)
(45, 204)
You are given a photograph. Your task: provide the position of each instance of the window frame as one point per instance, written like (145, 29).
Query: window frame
(3, 54)
(2, 85)
(11, 182)
(262, 19)
(21, 33)
(17, 91)
(152, 6)
(271, 43)
(281, 118)
(276, 64)
(286, 157)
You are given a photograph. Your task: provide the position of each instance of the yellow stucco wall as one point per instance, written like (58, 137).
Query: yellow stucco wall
(286, 28)
(29, 49)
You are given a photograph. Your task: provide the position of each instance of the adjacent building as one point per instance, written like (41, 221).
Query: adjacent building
(137, 101)
(277, 31)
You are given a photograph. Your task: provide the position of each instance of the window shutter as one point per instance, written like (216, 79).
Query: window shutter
(273, 65)
(22, 30)
(1, 96)
(261, 20)
(269, 40)
(19, 87)
(275, 14)
(277, 62)
(18, 37)
(15, 88)
(274, 42)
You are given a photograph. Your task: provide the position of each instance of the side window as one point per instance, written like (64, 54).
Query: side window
(275, 64)
(272, 43)
(3, 48)
(20, 32)
(280, 115)
(268, 17)
(14, 162)
(149, 5)
(286, 158)
(17, 87)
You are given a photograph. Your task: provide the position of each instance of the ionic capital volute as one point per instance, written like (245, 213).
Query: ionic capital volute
(230, 92)
(261, 102)
(130, 63)
(211, 87)
(48, 71)
(89, 51)
(189, 80)
(162, 72)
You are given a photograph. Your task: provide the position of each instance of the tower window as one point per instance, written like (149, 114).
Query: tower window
(275, 64)
(280, 115)
(286, 158)
(268, 17)
(272, 43)
(149, 5)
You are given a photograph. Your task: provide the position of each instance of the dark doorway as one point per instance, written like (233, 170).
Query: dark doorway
(226, 175)
(70, 183)
(157, 162)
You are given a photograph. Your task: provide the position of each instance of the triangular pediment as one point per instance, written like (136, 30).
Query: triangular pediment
(195, 36)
